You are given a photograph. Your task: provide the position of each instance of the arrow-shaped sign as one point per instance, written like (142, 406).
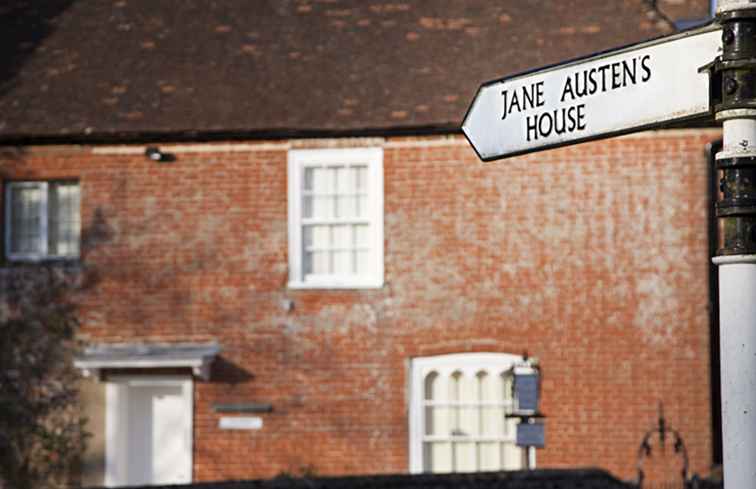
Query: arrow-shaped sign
(630, 89)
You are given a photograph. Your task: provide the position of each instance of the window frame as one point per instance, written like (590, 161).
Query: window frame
(43, 254)
(420, 367)
(298, 160)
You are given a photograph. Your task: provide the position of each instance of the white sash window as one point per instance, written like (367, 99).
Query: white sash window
(336, 218)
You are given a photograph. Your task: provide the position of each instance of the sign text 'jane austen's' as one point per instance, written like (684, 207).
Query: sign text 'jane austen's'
(577, 85)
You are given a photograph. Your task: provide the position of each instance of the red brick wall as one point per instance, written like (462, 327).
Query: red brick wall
(592, 258)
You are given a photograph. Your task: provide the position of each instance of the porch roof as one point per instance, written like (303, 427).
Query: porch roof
(197, 356)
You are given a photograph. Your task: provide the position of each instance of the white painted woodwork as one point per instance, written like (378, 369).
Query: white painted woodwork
(149, 431)
(457, 418)
(737, 333)
(335, 208)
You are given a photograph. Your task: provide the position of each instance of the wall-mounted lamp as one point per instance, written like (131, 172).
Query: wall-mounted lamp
(154, 153)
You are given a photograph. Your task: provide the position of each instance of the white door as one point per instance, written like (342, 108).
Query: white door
(149, 426)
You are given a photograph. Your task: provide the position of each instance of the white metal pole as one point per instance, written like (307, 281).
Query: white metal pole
(737, 254)
(531, 458)
(737, 309)
(737, 330)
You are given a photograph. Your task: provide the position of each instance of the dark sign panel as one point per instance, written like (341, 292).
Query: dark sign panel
(531, 435)
(526, 391)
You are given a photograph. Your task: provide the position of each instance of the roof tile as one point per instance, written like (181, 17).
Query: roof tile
(266, 68)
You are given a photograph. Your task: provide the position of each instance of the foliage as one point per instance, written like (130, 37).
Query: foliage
(42, 432)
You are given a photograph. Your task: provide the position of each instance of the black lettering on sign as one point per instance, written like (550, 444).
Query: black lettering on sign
(629, 73)
(577, 85)
(646, 70)
(581, 117)
(522, 98)
(567, 90)
(563, 120)
(616, 75)
(603, 70)
(592, 80)
(607, 77)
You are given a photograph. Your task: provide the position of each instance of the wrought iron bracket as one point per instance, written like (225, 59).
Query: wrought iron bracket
(645, 449)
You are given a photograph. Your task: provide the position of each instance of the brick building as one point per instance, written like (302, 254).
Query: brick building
(312, 252)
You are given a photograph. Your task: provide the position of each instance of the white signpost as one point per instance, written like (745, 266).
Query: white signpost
(612, 93)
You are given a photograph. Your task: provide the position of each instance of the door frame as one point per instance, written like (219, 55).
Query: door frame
(115, 399)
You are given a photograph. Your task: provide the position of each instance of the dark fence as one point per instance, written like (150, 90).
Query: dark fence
(704, 484)
(694, 483)
(535, 479)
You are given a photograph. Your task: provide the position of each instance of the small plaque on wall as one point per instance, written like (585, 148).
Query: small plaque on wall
(240, 423)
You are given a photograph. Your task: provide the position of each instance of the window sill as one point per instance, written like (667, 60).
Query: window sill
(40, 260)
(345, 285)
(27, 262)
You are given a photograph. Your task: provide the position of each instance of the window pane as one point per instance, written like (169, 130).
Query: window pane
(437, 457)
(467, 421)
(489, 456)
(505, 389)
(307, 237)
(26, 220)
(307, 262)
(512, 457)
(342, 237)
(454, 386)
(361, 206)
(360, 177)
(467, 389)
(309, 176)
(317, 262)
(319, 180)
(346, 206)
(342, 262)
(361, 235)
(63, 219)
(431, 386)
(464, 457)
(361, 262)
(437, 421)
(321, 237)
(436, 417)
(344, 180)
(486, 387)
(308, 206)
(322, 207)
(510, 427)
(492, 421)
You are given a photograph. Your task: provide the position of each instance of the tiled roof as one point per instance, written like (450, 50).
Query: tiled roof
(188, 69)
